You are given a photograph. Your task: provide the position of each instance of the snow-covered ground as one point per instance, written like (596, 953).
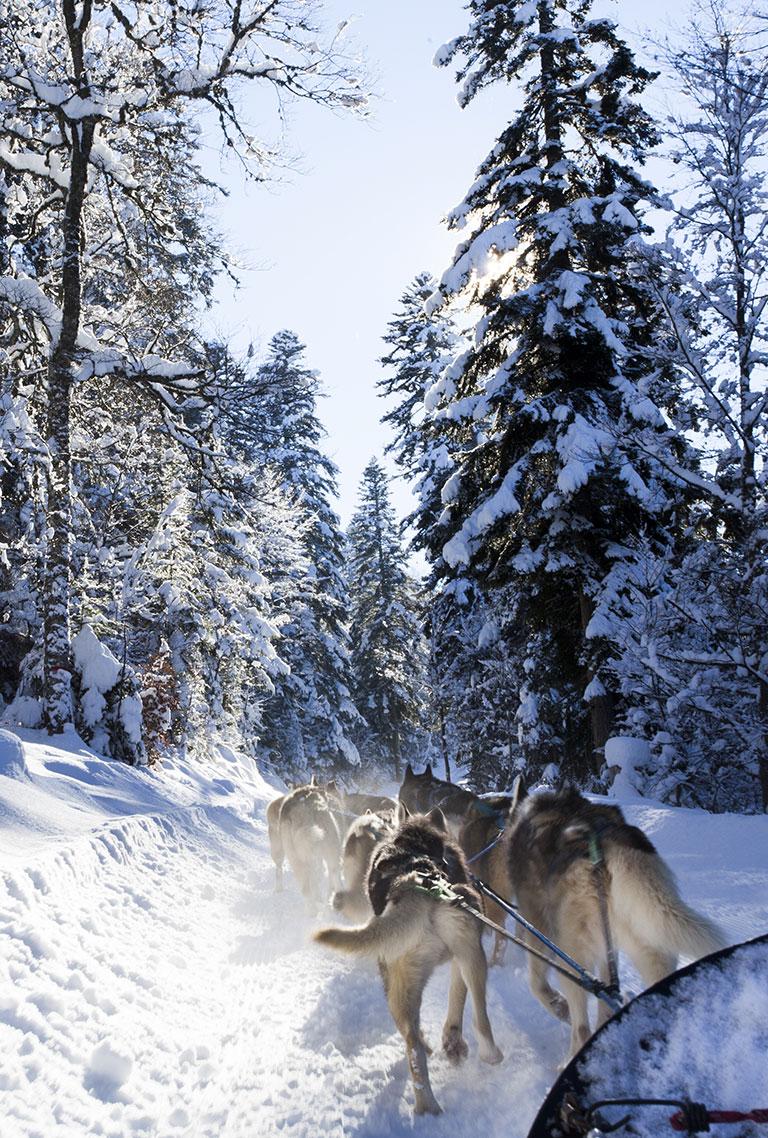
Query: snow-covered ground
(153, 984)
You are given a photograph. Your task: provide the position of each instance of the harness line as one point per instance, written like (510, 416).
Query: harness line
(608, 993)
(600, 871)
(488, 848)
(439, 888)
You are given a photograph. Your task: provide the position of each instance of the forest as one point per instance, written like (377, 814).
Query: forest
(578, 401)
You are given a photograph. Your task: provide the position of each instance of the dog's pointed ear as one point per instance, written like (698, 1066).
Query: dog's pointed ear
(428, 772)
(519, 792)
(437, 818)
(408, 770)
(402, 813)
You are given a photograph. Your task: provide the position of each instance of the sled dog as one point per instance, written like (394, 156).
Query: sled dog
(363, 836)
(557, 890)
(482, 839)
(412, 931)
(357, 804)
(304, 831)
(421, 793)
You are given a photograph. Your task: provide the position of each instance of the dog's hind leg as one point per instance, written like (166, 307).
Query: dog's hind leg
(578, 945)
(538, 971)
(277, 852)
(454, 1044)
(404, 987)
(474, 969)
(462, 937)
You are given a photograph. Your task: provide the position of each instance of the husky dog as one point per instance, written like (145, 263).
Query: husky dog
(412, 931)
(481, 838)
(357, 804)
(303, 829)
(420, 793)
(557, 890)
(363, 836)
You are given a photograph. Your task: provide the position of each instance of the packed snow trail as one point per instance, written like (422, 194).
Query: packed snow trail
(153, 984)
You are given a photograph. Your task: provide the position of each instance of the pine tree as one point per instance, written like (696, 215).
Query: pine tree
(388, 652)
(421, 345)
(270, 417)
(556, 468)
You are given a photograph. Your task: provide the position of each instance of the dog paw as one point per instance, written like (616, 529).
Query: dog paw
(425, 1105)
(559, 1008)
(454, 1045)
(490, 1054)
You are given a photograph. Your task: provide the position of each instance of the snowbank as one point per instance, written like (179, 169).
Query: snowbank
(152, 984)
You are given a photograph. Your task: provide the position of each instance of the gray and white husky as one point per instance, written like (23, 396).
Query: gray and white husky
(557, 890)
(303, 830)
(412, 931)
(363, 836)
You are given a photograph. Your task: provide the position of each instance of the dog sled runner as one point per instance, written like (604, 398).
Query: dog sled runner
(682, 1057)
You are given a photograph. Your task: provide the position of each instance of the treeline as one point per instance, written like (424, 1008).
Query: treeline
(579, 404)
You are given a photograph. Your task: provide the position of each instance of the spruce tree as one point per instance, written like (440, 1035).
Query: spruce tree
(388, 651)
(270, 416)
(556, 469)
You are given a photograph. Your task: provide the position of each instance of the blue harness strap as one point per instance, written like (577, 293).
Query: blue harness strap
(477, 856)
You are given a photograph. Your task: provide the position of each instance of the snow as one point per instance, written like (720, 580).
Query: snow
(99, 671)
(724, 1008)
(153, 984)
(625, 754)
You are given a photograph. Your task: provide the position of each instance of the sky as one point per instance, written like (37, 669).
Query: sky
(334, 244)
(328, 250)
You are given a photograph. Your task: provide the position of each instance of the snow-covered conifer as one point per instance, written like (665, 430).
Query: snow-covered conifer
(269, 415)
(388, 649)
(556, 391)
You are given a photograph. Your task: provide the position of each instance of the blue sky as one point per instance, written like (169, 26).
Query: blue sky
(329, 248)
(333, 244)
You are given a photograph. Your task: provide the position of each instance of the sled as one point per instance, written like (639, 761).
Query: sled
(635, 1077)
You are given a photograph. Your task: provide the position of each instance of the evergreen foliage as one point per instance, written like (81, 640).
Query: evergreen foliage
(556, 467)
(388, 651)
(107, 257)
(269, 415)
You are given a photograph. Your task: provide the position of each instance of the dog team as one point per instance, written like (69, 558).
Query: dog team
(405, 872)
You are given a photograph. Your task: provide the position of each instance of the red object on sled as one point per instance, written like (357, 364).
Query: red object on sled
(679, 1121)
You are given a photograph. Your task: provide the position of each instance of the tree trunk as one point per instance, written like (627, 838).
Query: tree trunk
(397, 755)
(762, 762)
(57, 656)
(600, 706)
(443, 746)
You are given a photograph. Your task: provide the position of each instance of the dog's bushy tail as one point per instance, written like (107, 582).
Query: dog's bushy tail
(644, 895)
(401, 926)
